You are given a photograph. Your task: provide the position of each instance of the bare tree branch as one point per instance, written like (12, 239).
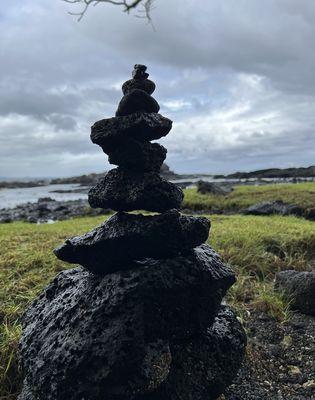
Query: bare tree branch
(127, 5)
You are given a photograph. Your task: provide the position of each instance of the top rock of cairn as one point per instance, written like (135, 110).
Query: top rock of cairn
(135, 185)
(140, 80)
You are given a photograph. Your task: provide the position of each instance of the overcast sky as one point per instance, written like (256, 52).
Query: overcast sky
(236, 77)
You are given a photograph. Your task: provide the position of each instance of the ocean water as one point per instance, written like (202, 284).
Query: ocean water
(10, 198)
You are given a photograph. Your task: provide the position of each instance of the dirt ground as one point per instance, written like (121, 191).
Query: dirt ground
(280, 361)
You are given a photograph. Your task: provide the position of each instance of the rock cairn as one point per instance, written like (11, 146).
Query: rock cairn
(141, 318)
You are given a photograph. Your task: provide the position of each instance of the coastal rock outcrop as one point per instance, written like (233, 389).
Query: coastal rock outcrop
(141, 318)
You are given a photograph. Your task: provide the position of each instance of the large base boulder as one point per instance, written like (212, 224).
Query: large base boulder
(123, 190)
(204, 366)
(114, 337)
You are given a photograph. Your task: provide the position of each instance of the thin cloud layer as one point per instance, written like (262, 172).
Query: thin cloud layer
(236, 78)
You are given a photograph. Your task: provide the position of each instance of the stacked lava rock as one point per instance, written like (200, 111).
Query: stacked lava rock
(142, 318)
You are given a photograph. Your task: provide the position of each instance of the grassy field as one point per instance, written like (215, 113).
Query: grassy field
(302, 194)
(257, 247)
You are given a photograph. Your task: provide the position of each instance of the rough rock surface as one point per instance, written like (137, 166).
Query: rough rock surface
(214, 188)
(203, 367)
(123, 190)
(112, 132)
(139, 156)
(142, 84)
(299, 287)
(27, 393)
(114, 335)
(126, 237)
(137, 101)
(274, 207)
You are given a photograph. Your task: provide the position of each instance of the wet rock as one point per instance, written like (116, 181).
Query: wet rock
(299, 287)
(142, 84)
(274, 207)
(137, 101)
(112, 132)
(204, 187)
(115, 336)
(202, 368)
(126, 237)
(123, 190)
(139, 156)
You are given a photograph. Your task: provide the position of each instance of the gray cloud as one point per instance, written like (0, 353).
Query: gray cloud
(236, 77)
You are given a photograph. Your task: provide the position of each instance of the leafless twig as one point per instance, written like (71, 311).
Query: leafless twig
(128, 5)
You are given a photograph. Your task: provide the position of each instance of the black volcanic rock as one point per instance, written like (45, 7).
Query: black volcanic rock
(202, 368)
(299, 287)
(112, 132)
(126, 237)
(204, 187)
(138, 156)
(139, 72)
(123, 190)
(274, 207)
(137, 101)
(142, 318)
(142, 84)
(112, 337)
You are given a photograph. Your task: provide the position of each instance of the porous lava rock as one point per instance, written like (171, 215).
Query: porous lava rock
(116, 336)
(299, 287)
(274, 207)
(123, 190)
(127, 237)
(139, 156)
(137, 100)
(143, 84)
(141, 318)
(204, 187)
(110, 133)
(204, 366)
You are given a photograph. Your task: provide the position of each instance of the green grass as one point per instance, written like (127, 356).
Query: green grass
(257, 247)
(301, 194)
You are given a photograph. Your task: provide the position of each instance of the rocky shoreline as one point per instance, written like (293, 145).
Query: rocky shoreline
(47, 209)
